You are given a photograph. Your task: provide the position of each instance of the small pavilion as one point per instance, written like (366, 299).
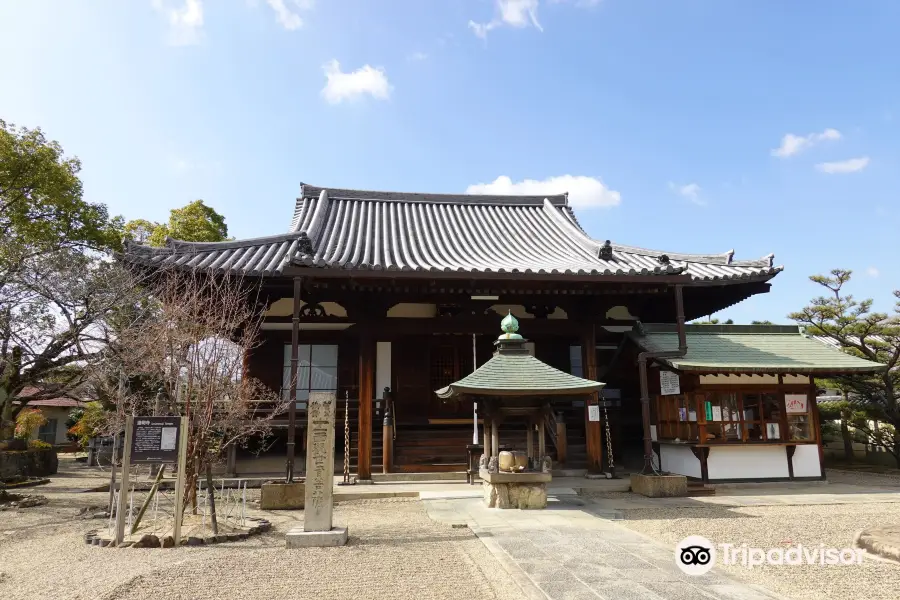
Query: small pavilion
(513, 384)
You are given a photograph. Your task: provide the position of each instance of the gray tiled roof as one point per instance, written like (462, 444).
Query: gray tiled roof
(518, 374)
(391, 231)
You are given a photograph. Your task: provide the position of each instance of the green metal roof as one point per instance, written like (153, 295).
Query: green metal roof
(518, 375)
(749, 349)
(514, 372)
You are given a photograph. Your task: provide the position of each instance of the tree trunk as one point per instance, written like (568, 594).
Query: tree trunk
(211, 494)
(848, 439)
(7, 423)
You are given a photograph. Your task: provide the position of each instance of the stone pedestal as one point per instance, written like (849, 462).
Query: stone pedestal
(298, 538)
(278, 495)
(515, 490)
(659, 486)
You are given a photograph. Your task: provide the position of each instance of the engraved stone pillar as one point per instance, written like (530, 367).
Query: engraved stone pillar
(318, 529)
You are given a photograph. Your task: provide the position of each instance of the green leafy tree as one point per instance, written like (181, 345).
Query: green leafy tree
(195, 222)
(761, 323)
(871, 335)
(56, 288)
(712, 321)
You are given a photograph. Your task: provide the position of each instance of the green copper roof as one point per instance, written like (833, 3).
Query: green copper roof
(749, 349)
(518, 375)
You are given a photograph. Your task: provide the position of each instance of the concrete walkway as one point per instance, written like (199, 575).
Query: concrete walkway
(572, 550)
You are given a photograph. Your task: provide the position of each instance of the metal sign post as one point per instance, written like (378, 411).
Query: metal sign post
(123, 481)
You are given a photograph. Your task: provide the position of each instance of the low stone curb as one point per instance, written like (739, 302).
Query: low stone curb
(92, 538)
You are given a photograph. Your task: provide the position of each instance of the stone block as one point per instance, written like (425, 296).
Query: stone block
(515, 495)
(659, 486)
(298, 538)
(278, 495)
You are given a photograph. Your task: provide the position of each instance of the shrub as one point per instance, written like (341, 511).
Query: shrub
(39, 445)
(28, 421)
(90, 423)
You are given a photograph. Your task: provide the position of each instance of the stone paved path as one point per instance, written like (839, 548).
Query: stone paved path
(573, 551)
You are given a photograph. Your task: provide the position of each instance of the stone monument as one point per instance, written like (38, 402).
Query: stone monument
(318, 529)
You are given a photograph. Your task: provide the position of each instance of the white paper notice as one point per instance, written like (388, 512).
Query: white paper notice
(168, 438)
(593, 413)
(669, 383)
(796, 403)
(716, 413)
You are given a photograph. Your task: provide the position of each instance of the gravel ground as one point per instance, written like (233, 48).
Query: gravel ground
(781, 526)
(395, 551)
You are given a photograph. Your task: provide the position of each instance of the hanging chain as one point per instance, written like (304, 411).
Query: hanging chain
(609, 450)
(346, 437)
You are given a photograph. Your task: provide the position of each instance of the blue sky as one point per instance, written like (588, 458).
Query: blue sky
(666, 120)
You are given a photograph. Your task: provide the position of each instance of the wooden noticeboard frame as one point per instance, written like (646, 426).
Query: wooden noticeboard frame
(155, 457)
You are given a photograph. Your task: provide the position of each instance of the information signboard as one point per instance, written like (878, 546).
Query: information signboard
(669, 383)
(155, 440)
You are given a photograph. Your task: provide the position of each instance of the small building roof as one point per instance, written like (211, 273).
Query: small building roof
(47, 397)
(359, 230)
(512, 371)
(749, 349)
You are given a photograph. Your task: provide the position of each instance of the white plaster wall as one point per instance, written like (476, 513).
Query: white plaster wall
(752, 379)
(382, 368)
(747, 462)
(284, 307)
(806, 461)
(412, 310)
(679, 459)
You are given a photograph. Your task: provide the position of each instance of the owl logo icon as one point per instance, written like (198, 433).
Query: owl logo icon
(695, 555)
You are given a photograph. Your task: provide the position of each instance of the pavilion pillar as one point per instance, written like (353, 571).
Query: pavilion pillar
(529, 441)
(495, 439)
(591, 428)
(295, 359)
(366, 396)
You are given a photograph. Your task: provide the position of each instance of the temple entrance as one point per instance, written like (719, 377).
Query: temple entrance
(450, 359)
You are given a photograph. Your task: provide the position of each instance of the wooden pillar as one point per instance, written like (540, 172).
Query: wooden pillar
(591, 428)
(295, 359)
(495, 439)
(561, 441)
(542, 440)
(366, 396)
(529, 440)
(231, 467)
(387, 437)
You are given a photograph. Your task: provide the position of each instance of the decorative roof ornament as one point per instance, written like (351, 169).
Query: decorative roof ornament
(304, 244)
(606, 251)
(663, 259)
(510, 326)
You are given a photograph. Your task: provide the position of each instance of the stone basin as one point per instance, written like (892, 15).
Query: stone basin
(515, 490)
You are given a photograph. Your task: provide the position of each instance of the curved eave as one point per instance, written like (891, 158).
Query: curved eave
(454, 390)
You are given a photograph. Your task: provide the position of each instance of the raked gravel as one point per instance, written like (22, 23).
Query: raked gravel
(395, 551)
(781, 526)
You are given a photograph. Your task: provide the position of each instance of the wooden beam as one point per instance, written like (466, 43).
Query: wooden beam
(366, 396)
(295, 359)
(589, 370)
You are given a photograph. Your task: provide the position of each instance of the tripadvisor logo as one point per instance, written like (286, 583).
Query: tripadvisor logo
(696, 555)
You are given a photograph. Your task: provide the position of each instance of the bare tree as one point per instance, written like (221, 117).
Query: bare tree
(190, 343)
(56, 317)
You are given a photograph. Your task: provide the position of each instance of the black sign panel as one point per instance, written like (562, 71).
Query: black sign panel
(155, 440)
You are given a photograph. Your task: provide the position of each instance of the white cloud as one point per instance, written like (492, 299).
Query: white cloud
(185, 21)
(342, 86)
(289, 19)
(792, 144)
(844, 166)
(873, 272)
(417, 56)
(584, 192)
(514, 13)
(691, 191)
